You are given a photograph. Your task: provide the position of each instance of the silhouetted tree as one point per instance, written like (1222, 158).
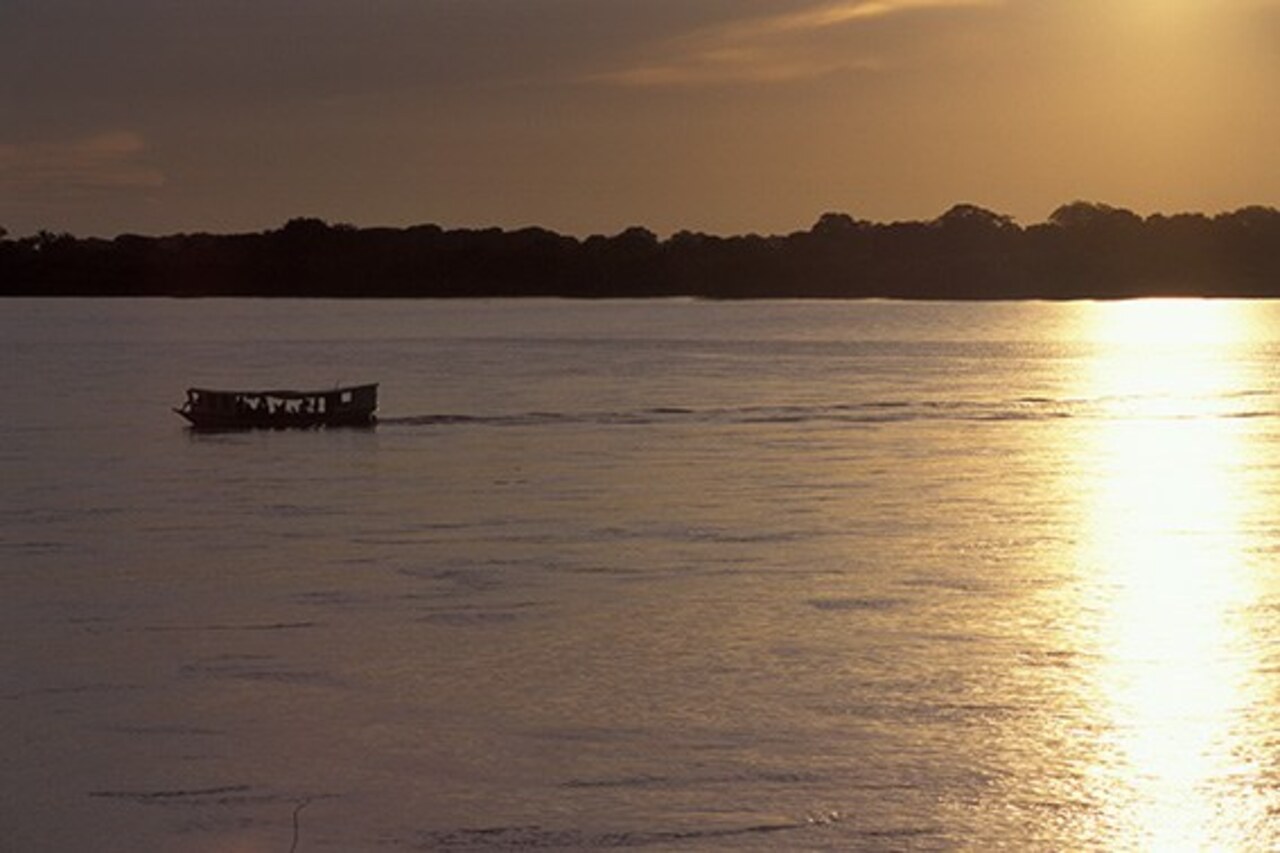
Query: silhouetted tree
(834, 225)
(971, 219)
(1094, 216)
(969, 252)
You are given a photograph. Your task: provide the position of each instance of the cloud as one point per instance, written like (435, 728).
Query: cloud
(835, 14)
(731, 66)
(104, 162)
(768, 48)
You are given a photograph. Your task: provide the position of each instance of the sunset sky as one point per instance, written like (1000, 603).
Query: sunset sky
(588, 116)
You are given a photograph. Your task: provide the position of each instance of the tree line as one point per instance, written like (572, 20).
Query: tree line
(1084, 250)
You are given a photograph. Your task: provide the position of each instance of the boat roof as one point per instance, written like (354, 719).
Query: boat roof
(283, 393)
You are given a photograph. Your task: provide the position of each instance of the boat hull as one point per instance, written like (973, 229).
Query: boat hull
(208, 409)
(217, 421)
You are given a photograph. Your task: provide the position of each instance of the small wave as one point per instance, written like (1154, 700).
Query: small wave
(464, 617)
(539, 837)
(216, 796)
(71, 690)
(255, 668)
(849, 604)
(34, 548)
(168, 730)
(174, 794)
(768, 777)
(619, 782)
(254, 626)
(887, 404)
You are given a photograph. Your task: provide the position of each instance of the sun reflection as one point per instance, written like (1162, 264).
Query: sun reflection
(1140, 323)
(1167, 576)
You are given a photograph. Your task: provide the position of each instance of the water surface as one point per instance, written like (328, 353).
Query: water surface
(667, 575)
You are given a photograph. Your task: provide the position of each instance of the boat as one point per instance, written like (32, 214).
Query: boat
(352, 405)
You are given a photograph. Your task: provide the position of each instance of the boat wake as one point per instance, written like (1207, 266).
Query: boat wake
(1241, 405)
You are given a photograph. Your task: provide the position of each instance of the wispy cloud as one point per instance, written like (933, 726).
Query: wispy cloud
(835, 14)
(768, 48)
(110, 161)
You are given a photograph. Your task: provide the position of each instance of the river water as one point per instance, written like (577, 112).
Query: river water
(663, 575)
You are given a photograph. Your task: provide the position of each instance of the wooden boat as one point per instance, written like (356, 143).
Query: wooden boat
(353, 405)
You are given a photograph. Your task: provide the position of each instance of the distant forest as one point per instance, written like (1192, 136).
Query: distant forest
(1084, 250)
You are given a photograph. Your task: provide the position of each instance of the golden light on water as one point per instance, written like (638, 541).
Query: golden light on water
(1169, 586)
(1139, 324)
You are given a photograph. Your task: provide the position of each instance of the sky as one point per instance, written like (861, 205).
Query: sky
(591, 116)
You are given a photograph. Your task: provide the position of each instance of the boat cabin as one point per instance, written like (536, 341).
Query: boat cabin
(350, 406)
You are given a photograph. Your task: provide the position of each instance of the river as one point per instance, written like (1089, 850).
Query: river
(652, 574)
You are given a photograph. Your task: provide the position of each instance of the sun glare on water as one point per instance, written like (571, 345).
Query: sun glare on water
(1142, 323)
(1167, 579)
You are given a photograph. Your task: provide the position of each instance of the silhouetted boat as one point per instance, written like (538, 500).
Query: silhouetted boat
(352, 405)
